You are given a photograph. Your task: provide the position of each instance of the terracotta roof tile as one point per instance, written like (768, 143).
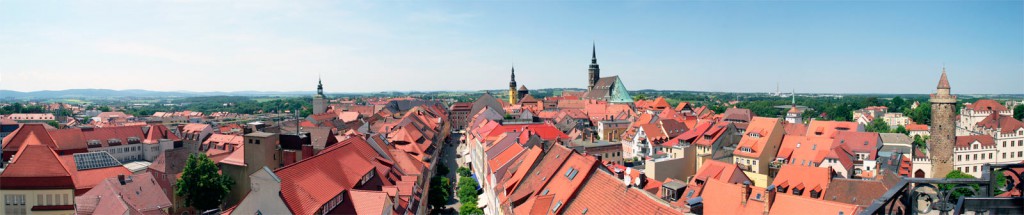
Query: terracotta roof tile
(860, 142)
(1001, 123)
(757, 136)
(986, 105)
(966, 141)
(36, 167)
(603, 193)
(813, 178)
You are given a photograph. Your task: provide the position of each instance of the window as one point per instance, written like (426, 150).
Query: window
(1004, 155)
(989, 155)
(14, 204)
(975, 169)
(557, 205)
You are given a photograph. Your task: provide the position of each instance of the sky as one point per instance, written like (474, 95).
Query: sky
(371, 46)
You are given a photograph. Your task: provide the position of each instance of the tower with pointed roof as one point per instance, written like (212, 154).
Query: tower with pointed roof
(794, 115)
(513, 95)
(595, 70)
(319, 100)
(942, 129)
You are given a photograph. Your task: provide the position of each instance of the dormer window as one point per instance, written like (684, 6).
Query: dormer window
(93, 143)
(113, 141)
(366, 177)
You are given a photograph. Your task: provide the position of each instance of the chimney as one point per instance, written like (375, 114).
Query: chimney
(769, 198)
(642, 180)
(746, 192)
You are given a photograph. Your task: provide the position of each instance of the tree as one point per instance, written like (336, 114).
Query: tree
(871, 101)
(467, 190)
(200, 184)
(902, 130)
(464, 172)
(897, 104)
(921, 115)
(959, 192)
(470, 209)
(440, 192)
(53, 123)
(921, 142)
(1018, 112)
(877, 125)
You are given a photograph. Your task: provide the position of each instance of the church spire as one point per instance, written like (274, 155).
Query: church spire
(319, 86)
(512, 84)
(593, 53)
(594, 73)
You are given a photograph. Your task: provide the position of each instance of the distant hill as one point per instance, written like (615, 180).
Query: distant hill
(106, 93)
(135, 93)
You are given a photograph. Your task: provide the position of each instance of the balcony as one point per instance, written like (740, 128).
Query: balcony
(925, 195)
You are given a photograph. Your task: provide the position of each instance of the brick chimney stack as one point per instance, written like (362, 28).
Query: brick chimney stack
(769, 195)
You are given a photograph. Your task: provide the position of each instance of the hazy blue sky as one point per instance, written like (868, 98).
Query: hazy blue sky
(846, 47)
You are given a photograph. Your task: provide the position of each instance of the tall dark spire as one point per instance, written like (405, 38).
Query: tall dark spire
(319, 86)
(595, 70)
(512, 84)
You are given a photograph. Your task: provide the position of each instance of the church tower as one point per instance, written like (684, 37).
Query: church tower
(319, 100)
(794, 115)
(940, 145)
(513, 95)
(595, 70)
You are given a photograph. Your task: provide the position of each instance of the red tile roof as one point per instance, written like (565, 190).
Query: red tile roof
(795, 128)
(801, 149)
(603, 193)
(36, 167)
(1003, 124)
(309, 184)
(763, 128)
(158, 131)
(27, 134)
(789, 204)
(966, 141)
(917, 127)
(860, 142)
(367, 202)
(142, 195)
(796, 176)
(727, 198)
(87, 179)
(986, 105)
(546, 131)
(692, 135)
(829, 128)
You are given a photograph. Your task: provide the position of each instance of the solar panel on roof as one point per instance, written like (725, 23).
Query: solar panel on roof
(95, 160)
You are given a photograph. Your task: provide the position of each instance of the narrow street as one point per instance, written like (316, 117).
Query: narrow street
(450, 159)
